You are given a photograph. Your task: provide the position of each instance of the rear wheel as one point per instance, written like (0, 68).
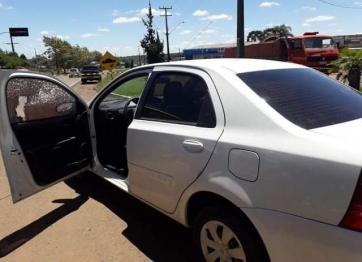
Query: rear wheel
(84, 82)
(221, 236)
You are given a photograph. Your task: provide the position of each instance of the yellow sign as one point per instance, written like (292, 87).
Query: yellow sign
(109, 61)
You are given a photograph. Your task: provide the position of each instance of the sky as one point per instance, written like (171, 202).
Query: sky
(116, 25)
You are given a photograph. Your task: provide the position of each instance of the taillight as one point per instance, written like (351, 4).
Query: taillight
(353, 217)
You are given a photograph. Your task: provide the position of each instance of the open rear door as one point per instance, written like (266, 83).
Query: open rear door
(44, 132)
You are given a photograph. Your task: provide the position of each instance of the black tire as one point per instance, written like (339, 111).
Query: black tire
(84, 82)
(245, 235)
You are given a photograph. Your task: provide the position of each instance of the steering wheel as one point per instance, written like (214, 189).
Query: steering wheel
(130, 112)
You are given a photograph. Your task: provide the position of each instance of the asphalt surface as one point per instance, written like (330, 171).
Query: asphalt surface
(87, 219)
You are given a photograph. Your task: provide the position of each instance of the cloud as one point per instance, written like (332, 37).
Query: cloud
(200, 13)
(125, 20)
(103, 30)
(247, 29)
(115, 12)
(9, 8)
(1, 5)
(87, 35)
(358, 3)
(44, 32)
(306, 8)
(63, 37)
(269, 4)
(306, 24)
(217, 17)
(320, 18)
(155, 12)
(210, 31)
(185, 32)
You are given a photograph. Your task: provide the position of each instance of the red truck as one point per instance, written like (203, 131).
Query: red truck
(311, 49)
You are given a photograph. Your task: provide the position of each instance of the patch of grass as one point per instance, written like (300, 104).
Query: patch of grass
(109, 77)
(132, 88)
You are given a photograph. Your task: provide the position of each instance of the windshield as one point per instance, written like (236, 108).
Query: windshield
(319, 43)
(306, 97)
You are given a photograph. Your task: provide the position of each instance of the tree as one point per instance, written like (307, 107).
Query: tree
(151, 42)
(277, 31)
(350, 61)
(58, 50)
(255, 36)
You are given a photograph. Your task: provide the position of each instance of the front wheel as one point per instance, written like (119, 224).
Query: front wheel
(220, 235)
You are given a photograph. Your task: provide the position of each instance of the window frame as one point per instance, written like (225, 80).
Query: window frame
(143, 100)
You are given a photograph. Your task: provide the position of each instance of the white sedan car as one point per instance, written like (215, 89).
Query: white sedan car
(263, 159)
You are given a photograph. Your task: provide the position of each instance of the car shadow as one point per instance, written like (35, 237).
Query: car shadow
(13, 241)
(157, 236)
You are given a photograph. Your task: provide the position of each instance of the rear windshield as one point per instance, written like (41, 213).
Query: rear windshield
(91, 68)
(306, 97)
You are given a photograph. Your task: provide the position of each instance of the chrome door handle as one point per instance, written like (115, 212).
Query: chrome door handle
(193, 146)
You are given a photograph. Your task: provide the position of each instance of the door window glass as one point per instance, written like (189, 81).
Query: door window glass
(297, 45)
(130, 88)
(35, 99)
(181, 98)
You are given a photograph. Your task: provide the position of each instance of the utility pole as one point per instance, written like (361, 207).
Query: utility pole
(167, 33)
(37, 60)
(139, 56)
(240, 29)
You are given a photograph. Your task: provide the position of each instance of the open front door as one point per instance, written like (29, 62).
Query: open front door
(44, 132)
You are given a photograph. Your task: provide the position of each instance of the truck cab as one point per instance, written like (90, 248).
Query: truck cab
(313, 50)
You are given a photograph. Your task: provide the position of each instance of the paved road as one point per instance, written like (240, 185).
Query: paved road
(69, 81)
(87, 219)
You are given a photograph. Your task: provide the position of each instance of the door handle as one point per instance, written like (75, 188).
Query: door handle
(193, 146)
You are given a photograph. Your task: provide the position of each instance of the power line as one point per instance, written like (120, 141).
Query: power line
(340, 5)
(198, 34)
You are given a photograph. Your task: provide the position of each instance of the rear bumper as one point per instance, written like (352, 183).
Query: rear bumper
(91, 77)
(295, 239)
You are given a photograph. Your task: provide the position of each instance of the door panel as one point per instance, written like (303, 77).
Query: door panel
(173, 136)
(44, 132)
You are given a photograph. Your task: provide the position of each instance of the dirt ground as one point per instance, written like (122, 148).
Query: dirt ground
(87, 219)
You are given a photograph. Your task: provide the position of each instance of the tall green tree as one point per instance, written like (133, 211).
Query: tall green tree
(59, 51)
(351, 61)
(151, 42)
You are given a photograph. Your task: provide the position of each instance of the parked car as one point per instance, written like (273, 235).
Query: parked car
(262, 158)
(74, 72)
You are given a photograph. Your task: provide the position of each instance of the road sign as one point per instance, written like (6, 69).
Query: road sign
(19, 31)
(109, 61)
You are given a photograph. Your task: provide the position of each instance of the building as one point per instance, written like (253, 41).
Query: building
(349, 41)
(207, 51)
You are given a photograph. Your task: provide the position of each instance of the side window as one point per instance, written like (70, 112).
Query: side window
(131, 88)
(179, 98)
(35, 99)
(297, 45)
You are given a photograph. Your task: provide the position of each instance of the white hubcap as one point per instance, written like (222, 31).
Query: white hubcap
(219, 243)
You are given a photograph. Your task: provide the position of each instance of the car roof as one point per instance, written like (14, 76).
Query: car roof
(237, 65)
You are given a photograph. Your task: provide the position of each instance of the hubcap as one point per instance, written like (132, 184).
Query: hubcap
(219, 243)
